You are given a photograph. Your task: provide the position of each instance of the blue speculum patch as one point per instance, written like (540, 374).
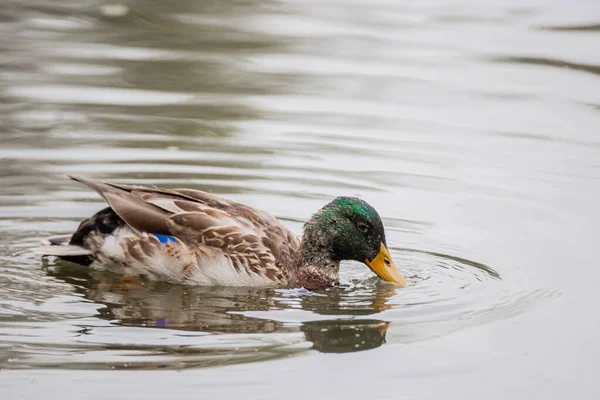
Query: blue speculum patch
(164, 239)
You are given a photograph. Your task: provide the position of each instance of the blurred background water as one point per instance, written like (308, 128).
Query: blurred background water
(471, 126)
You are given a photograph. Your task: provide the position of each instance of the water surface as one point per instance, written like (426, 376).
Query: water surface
(471, 127)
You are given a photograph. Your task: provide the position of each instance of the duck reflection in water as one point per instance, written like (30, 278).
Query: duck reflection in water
(343, 336)
(228, 310)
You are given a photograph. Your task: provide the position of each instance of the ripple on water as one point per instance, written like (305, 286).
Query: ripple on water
(82, 318)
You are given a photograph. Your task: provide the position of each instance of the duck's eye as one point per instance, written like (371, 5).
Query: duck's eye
(363, 227)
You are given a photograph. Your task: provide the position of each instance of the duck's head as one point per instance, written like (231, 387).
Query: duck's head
(349, 228)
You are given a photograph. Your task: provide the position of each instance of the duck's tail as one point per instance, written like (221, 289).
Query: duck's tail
(73, 247)
(59, 246)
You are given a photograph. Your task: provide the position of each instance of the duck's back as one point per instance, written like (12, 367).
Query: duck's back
(185, 236)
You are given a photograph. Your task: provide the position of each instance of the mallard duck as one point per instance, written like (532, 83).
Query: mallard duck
(191, 237)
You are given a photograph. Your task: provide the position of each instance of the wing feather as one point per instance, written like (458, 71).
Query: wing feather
(136, 213)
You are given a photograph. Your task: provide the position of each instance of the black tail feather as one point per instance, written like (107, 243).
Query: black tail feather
(104, 221)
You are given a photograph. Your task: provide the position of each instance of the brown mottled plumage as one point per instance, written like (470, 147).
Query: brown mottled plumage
(193, 237)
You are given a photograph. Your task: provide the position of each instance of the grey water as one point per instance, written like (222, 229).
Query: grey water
(473, 128)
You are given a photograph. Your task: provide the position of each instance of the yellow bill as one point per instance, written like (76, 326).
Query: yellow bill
(384, 267)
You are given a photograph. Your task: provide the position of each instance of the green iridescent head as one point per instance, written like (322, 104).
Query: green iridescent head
(349, 228)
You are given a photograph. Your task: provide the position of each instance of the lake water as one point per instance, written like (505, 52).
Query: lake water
(473, 127)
